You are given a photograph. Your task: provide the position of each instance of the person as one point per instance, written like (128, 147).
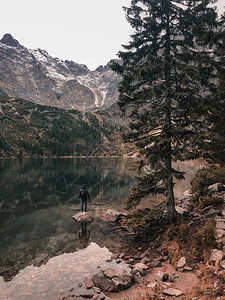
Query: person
(83, 197)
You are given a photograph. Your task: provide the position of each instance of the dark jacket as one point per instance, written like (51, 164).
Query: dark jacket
(84, 195)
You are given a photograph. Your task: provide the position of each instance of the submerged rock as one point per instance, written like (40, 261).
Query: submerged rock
(113, 281)
(82, 217)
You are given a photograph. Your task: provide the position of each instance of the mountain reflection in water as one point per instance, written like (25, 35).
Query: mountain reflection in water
(38, 198)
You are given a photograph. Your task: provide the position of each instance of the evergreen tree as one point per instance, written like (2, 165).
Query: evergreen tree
(215, 145)
(168, 78)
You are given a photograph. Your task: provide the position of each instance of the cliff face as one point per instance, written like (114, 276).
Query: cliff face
(36, 76)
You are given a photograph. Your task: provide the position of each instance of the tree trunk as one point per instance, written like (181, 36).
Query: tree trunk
(171, 212)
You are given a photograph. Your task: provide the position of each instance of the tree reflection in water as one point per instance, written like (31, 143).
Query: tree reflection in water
(37, 201)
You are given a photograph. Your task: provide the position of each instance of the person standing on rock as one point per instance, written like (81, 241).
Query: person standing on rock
(84, 197)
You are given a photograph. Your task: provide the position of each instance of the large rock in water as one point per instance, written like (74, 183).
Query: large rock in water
(82, 217)
(110, 280)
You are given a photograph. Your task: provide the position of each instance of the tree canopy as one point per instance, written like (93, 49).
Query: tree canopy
(168, 79)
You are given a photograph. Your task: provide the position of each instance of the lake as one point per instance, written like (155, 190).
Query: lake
(43, 251)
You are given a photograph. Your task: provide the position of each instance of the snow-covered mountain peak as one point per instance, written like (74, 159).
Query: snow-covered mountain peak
(37, 76)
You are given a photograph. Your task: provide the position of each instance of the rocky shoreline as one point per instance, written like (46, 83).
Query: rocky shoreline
(164, 269)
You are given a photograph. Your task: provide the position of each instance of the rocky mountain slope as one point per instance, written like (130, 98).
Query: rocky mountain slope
(28, 130)
(36, 76)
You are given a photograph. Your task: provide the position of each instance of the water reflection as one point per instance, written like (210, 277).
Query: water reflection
(66, 271)
(27, 185)
(38, 199)
(84, 235)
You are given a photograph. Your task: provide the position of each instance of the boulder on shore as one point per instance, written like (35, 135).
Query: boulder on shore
(113, 281)
(112, 215)
(82, 217)
(216, 187)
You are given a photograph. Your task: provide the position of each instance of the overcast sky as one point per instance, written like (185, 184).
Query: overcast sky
(85, 31)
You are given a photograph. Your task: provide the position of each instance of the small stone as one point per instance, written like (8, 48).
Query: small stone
(97, 290)
(187, 268)
(221, 273)
(139, 267)
(180, 210)
(154, 264)
(216, 255)
(220, 233)
(71, 289)
(173, 277)
(181, 262)
(222, 264)
(145, 260)
(172, 292)
(118, 260)
(115, 256)
(101, 296)
(142, 255)
(161, 276)
(139, 279)
(121, 255)
(164, 258)
(88, 282)
(216, 187)
(108, 260)
(180, 269)
(95, 297)
(79, 284)
(88, 294)
(152, 285)
(220, 225)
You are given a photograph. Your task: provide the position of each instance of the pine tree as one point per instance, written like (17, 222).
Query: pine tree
(168, 78)
(215, 145)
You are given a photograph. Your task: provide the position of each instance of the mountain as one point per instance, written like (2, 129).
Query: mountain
(36, 76)
(31, 130)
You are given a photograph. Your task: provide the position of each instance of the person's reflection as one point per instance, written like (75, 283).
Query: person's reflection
(84, 235)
